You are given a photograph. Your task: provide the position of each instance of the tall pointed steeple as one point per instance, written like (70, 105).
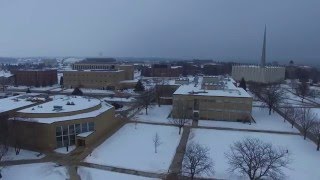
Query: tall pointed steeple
(263, 56)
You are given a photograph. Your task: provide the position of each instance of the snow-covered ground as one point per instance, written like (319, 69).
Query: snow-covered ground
(23, 155)
(296, 101)
(305, 158)
(155, 114)
(96, 174)
(264, 121)
(38, 171)
(63, 150)
(133, 148)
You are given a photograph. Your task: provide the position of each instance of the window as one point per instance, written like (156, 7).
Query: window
(65, 130)
(84, 127)
(91, 126)
(65, 140)
(59, 141)
(78, 129)
(72, 139)
(58, 131)
(71, 129)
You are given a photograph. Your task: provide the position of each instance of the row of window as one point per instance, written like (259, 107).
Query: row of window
(66, 135)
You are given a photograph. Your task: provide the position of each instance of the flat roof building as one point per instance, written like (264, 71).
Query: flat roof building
(212, 98)
(35, 77)
(62, 121)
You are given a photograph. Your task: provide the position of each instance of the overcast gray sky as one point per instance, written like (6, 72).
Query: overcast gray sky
(219, 29)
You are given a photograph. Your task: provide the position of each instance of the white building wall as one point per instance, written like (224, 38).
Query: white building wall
(258, 74)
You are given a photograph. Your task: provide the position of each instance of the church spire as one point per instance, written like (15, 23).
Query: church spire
(263, 56)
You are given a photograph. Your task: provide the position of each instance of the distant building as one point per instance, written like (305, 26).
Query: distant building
(212, 98)
(108, 64)
(267, 74)
(213, 69)
(35, 77)
(261, 73)
(162, 70)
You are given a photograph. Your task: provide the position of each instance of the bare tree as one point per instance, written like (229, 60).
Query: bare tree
(288, 111)
(295, 116)
(303, 89)
(306, 120)
(316, 132)
(273, 96)
(180, 115)
(196, 160)
(146, 98)
(159, 90)
(156, 142)
(257, 160)
(256, 88)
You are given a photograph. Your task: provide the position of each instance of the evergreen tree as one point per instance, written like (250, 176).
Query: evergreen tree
(77, 92)
(139, 87)
(243, 84)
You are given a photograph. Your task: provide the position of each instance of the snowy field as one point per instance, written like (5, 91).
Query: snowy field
(38, 171)
(134, 149)
(23, 155)
(305, 158)
(155, 114)
(264, 121)
(96, 174)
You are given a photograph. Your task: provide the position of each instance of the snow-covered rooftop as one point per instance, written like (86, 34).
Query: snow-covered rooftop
(14, 102)
(104, 107)
(66, 103)
(5, 74)
(229, 90)
(85, 134)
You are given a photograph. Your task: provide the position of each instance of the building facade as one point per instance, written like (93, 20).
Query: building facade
(34, 77)
(211, 101)
(94, 79)
(258, 74)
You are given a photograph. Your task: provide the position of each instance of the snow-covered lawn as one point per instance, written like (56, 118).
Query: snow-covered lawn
(134, 149)
(97, 174)
(63, 150)
(305, 158)
(264, 121)
(38, 171)
(23, 155)
(155, 114)
(296, 101)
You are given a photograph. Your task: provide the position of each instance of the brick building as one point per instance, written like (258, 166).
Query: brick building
(35, 77)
